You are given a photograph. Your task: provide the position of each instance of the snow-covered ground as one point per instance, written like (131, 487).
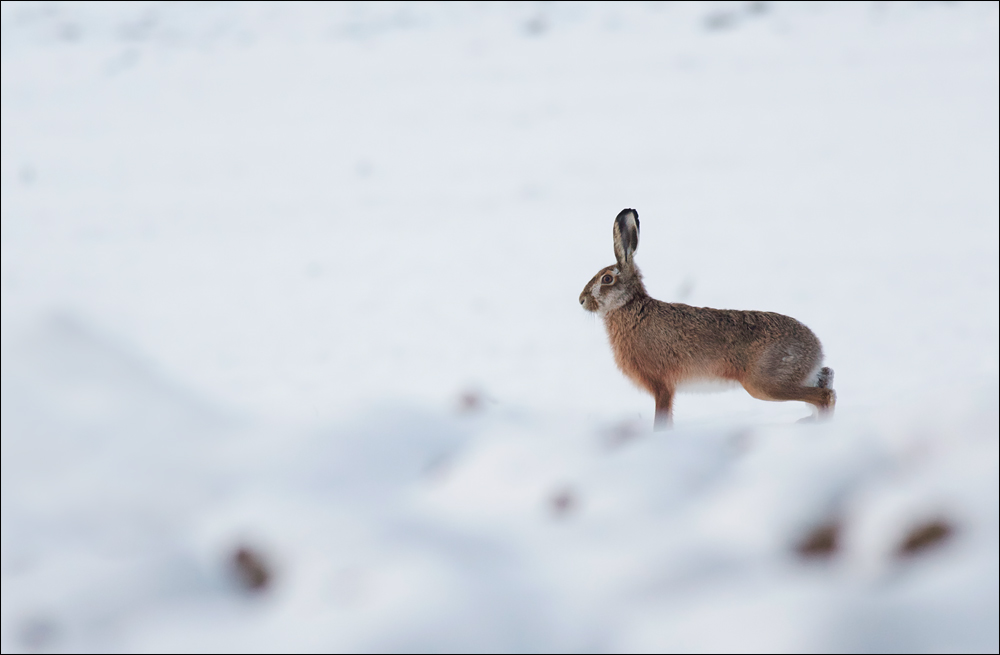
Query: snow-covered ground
(302, 280)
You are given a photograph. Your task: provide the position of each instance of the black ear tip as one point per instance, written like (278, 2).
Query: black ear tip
(625, 212)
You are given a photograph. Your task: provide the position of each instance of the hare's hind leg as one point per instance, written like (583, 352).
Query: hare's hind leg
(781, 372)
(823, 399)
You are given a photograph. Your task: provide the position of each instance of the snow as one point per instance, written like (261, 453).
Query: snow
(303, 279)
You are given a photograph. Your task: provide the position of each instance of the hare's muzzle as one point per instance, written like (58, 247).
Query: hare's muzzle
(587, 301)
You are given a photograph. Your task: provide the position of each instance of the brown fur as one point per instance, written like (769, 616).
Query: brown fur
(660, 345)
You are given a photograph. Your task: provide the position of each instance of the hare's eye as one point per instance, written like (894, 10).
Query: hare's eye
(607, 279)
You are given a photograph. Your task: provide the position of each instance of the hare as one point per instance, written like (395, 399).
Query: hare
(661, 346)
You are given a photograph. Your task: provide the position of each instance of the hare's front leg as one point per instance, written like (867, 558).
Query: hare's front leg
(664, 408)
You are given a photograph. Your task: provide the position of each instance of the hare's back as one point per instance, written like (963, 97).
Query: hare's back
(734, 332)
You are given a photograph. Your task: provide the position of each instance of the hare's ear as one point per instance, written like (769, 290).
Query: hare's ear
(626, 236)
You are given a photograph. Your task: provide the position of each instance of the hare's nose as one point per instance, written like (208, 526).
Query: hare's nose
(582, 300)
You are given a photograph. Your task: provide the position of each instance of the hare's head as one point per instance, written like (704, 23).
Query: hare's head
(615, 285)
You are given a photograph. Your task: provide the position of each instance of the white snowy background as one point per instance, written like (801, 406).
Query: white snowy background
(303, 279)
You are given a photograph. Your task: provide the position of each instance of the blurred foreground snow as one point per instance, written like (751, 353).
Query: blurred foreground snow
(292, 359)
(125, 500)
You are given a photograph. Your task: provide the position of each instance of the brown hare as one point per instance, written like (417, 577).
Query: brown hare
(661, 346)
